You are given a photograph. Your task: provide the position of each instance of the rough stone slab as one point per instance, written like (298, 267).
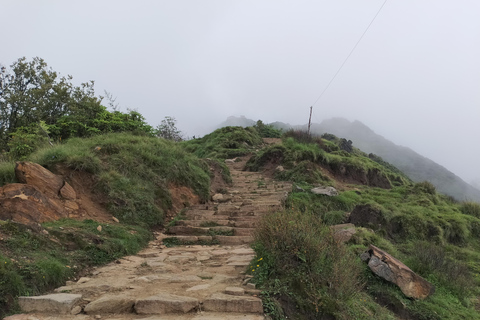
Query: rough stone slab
(243, 251)
(181, 258)
(220, 302)
(165, 303)
(199, 287)
(391, 269)
(242, 258)
(234, 240)
(148, 254)
(109, 304)
(235, 291)
(61, 303)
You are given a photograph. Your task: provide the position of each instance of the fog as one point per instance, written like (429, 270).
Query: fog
(413, 78)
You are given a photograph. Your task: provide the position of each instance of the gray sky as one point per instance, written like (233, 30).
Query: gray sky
(414, 78)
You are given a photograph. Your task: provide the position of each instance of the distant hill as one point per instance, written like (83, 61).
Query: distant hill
(415, 166)
(240, 121)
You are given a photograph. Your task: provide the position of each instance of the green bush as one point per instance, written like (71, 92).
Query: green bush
(225, 143)
(470, 208)
(297, 256)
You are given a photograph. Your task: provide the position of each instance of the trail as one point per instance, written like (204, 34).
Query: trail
(190, 281)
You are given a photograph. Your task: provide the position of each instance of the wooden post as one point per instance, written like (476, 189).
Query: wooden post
(310, 120)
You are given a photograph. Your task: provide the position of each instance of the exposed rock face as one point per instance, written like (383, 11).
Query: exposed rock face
(48, 183)
(26, 204)
(387, 267)
(41, 196)
(328, 191)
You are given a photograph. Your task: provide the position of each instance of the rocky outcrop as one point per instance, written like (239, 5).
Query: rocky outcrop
(39, 197)
(387, 267)
(26, 204)
(48, 183)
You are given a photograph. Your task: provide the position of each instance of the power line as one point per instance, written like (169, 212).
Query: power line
(353, 49)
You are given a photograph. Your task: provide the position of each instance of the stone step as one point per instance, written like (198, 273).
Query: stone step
(227, 223)
(220, 302)
(202, 223)
(189, 230)
(242, 232)
(202, 315)
(234, 240)
(186, 240)
(164, 303)
(60, 303)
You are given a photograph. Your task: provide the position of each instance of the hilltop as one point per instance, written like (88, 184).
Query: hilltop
(414, 165)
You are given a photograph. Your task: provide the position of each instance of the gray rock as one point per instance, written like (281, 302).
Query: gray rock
(328, 191)
(110, 304)
(387, 267)
(165, 303)
(61, 303)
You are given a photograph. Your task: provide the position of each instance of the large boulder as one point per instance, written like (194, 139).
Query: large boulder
(48, 183)
(387, 267)
(26, 204)
(39, 197)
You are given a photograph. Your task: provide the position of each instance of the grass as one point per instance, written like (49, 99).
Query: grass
(32, 262)
(225, 143)
(303, 159)
(133, 172)
(424, 229)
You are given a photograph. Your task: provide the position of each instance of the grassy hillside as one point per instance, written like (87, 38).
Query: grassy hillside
(134, 174)
(305, 275)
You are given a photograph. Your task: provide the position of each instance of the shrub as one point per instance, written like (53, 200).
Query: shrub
(298, 256)
(470, 208)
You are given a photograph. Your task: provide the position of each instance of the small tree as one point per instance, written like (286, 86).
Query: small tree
(168, 130)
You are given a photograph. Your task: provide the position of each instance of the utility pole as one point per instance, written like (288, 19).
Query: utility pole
(310, 120)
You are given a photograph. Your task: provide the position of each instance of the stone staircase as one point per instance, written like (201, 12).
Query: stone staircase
(204, 278)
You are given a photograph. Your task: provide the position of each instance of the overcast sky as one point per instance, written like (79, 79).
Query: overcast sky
(414, 78)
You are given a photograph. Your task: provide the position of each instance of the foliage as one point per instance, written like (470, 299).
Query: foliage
(168, 130)
(297, 256)
(39, 106)
(470, 208)
(33, 92)
(267, 130)
(25, 140)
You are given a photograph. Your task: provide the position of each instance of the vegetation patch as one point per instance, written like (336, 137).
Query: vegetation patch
(33, 262)
(225, 143)
(132, 171)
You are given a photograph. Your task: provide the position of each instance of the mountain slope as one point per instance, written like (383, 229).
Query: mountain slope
(415, 166)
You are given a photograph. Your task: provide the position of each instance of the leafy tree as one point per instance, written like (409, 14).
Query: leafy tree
(36, 105)
(168, 129)
(267, 130)
(32, 92)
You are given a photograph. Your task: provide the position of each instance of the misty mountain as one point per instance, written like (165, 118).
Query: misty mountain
(415, 166)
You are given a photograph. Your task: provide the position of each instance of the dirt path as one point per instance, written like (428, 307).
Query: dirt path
(189, 281)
